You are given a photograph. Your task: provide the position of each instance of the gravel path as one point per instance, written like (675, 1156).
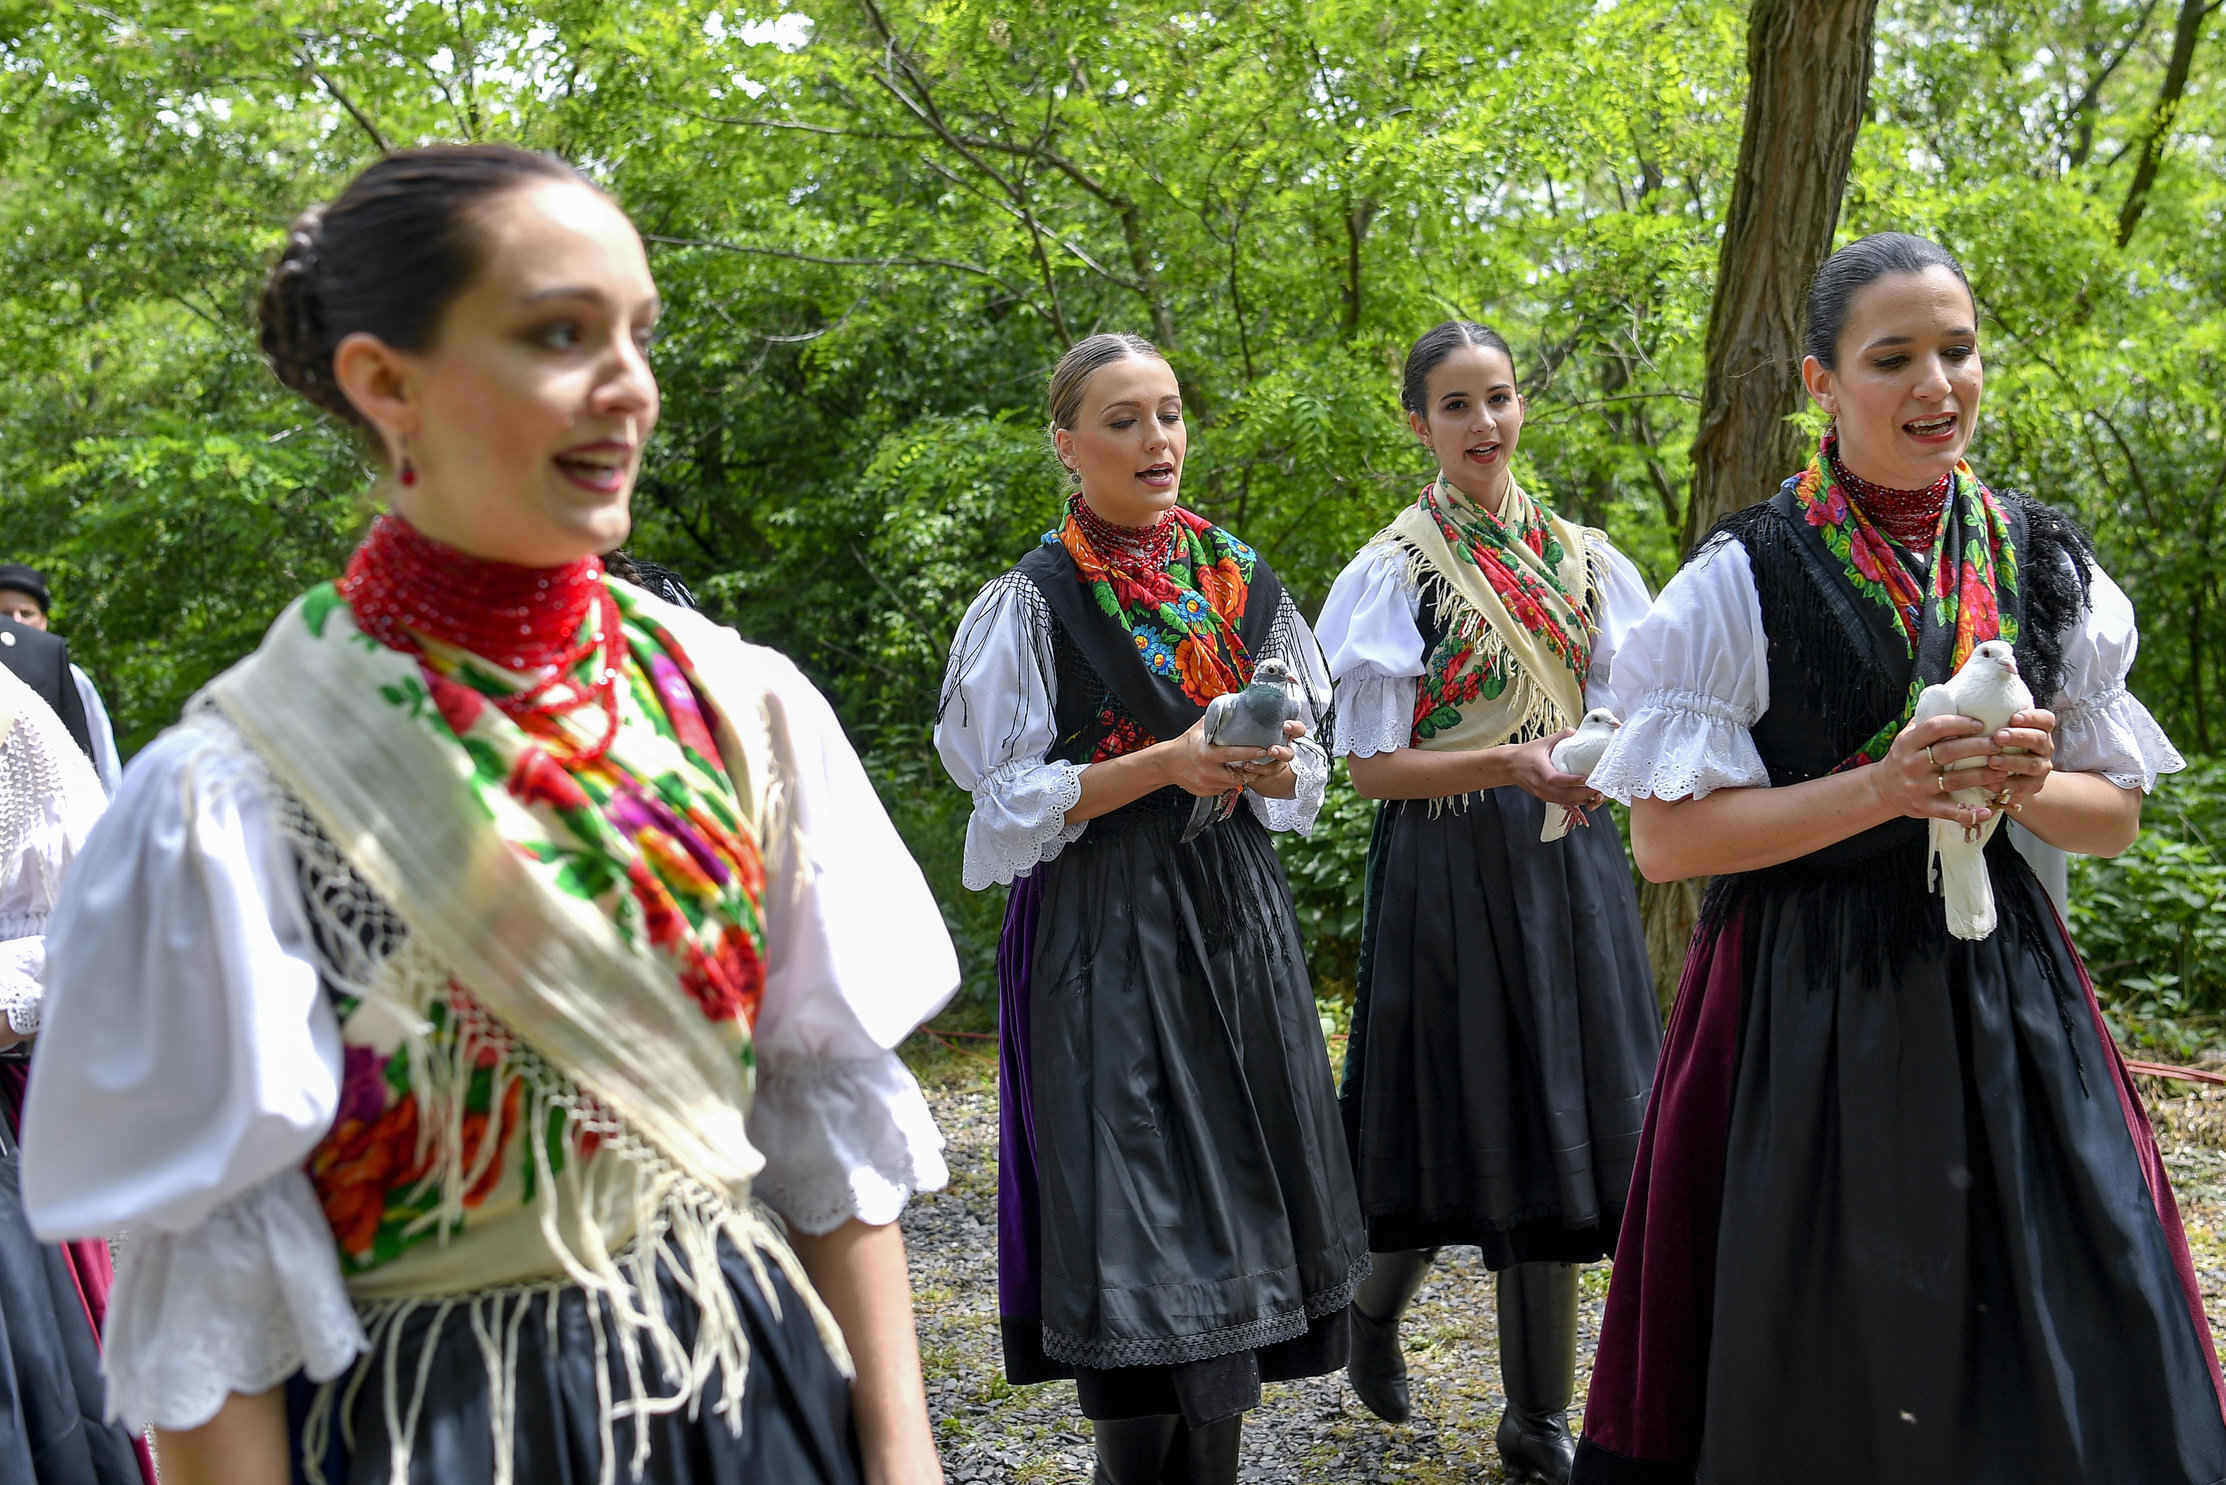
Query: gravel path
(1315, 1431)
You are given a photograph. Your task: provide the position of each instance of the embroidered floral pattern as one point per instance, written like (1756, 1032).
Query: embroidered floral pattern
(1974, 560)
(1522, 560)
(650, 832)
(1183, 617)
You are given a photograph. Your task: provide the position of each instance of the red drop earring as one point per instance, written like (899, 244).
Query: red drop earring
(407, 474)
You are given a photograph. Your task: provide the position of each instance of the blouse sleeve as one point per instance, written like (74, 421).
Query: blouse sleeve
(187, 1065)
(1292, 642)
(1694, 672)
(2101, 727)
(1622, 602)
(857, 957)
(54, 797)
(1373, 645)
(993, 728)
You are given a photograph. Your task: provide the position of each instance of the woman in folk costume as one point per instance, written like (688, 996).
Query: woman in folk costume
(1504, 1029)
(1175, 1214)
(494, 937)
(1898, 1214)
(53, 1298)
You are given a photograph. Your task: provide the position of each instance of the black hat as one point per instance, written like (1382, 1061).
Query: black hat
(26, 580)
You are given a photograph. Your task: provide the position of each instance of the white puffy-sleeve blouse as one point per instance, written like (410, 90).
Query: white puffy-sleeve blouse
(1371, 631)
(191, 1060)
(997, 725)
(1697, 670)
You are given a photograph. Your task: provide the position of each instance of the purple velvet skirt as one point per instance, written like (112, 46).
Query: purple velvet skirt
(1898, 1216)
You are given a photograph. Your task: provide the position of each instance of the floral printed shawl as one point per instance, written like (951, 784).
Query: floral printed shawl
(605, 920)
(1971, 598)
(1515, 590)
(652, 834)
(1183, 620)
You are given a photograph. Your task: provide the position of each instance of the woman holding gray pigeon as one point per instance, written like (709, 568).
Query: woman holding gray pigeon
(1505, 1029)
(1176, 1222)
(1898, 1214)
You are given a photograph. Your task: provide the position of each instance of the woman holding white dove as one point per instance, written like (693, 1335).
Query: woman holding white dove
(1504, 1029)
(1898, 1214)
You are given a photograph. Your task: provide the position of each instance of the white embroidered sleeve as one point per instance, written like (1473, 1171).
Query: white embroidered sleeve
(21, 960)
(1373, 645)
(1697, 665)
(993, 727)
(1621, 602)
(238, 1303)
(2101, 727)
(188, 1052)
(1293, 643)
(187, 1065)
(857, 957)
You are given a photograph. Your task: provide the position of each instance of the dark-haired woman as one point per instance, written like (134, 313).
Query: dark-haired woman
(500, 935)
(1175, 1217)
(1504, 1030)
(1898, 1214)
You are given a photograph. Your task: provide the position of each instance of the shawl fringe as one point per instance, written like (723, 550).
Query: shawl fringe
(675, 1218)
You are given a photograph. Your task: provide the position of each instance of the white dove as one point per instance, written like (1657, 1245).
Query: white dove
(1579, 753)
(1988, 690)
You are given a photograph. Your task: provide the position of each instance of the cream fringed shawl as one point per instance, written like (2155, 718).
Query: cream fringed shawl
(1514, 591)
(600, 1038)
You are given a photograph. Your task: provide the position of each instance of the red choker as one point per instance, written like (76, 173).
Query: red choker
(404, 587)
(1910, 517)
(1137, 549)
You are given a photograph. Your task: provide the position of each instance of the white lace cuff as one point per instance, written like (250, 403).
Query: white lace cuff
(21, 960)
(1681, 744)
(1375, 713)
(844, 1137)
(2113, 734)
(238, 1304)
(1311, 765)
(1020, 820)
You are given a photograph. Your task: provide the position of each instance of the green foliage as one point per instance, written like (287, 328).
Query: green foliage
(876, 223)
(2151, 923)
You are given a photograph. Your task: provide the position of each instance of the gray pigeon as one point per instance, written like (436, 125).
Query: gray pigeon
(1988, 690)
(1251, 718)
(1578, 753)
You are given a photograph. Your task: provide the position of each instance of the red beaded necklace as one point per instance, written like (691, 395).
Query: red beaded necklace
(1910, 517)
(405, 587)
(1141, 550)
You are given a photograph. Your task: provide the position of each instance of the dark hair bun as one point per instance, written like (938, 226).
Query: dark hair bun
(385, 258)
(293, 323)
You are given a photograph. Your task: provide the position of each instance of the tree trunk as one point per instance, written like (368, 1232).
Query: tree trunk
(1808, 70)
(2184, 34)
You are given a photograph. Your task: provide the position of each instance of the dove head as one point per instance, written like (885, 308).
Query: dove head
(1995, 652)
(1600, 716)
(1272, 672)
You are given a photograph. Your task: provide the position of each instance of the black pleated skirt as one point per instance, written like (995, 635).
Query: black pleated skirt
(795, 1416)
(1899, 1215)
(1504, 1034)
(1198, 1232)
(51, 1395)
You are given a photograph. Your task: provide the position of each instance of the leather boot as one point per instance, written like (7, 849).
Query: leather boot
(1133, 1451)
(1375, 1364)
(1207, 1454)
(1538, 1367)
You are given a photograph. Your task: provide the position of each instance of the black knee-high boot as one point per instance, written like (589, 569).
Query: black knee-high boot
(1207, 1455)
(1374, 1362)
(1133, 1451)
(1538, 1367)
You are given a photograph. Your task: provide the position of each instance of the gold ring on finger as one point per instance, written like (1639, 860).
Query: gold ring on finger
(1940, 782)
(1929, 758)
